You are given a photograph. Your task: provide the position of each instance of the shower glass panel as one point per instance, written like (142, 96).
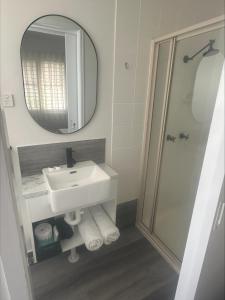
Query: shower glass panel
(191, 102)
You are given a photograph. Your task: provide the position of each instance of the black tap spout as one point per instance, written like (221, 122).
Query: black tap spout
(70, 161)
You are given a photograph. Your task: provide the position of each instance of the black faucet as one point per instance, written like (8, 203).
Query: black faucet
(70, 161)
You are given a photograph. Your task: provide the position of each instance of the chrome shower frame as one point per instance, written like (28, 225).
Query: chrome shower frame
(147, 229)
(210, 45)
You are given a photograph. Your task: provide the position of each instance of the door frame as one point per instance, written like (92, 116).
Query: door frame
(197, 29)
(13, 261)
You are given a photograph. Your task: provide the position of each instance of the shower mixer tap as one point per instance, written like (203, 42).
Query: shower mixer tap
(170, 138)
(183, 136)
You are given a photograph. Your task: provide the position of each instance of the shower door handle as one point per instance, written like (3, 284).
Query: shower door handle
(170, 138)
(183, 136)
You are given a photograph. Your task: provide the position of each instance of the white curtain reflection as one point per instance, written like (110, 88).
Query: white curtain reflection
(44, 84)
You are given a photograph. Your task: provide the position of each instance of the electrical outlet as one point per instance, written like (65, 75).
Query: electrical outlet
(7, 101)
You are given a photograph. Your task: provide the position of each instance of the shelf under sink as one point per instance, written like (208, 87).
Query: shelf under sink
(75, 241)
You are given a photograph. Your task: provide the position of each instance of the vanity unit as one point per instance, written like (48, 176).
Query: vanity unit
(96, 184)
(60, 73)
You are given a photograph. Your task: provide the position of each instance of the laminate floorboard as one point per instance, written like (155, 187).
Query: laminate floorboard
(129, 269)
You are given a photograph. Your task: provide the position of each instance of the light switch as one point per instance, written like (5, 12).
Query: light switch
(7, 101)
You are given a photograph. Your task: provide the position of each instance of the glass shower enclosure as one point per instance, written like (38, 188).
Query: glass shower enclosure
(185, 74)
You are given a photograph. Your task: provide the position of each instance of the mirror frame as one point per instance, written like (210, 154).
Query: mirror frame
(57, 15)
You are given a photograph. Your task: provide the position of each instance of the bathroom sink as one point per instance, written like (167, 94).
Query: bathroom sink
(83, 185)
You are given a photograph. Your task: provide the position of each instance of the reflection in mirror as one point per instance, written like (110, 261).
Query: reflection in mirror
(59, 66)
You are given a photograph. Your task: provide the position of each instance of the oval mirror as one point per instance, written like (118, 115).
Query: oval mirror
(59, 66)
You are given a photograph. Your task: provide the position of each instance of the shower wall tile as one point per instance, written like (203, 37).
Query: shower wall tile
(36, 157)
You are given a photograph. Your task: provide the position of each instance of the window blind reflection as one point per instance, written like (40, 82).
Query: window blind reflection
(44, 81)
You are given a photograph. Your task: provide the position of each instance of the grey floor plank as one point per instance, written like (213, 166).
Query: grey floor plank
(130, 269)
(166, 292)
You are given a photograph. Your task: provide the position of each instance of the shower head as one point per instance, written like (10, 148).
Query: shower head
(211, 51)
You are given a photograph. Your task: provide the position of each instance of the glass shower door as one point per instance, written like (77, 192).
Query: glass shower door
(192, 96)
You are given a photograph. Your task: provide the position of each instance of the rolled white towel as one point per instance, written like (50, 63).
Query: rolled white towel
(89, 232)
(107, 228)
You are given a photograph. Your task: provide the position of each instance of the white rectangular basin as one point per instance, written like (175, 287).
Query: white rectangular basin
(83, 185)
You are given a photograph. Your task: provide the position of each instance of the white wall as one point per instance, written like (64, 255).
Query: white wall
(13, 268)
(128, 110)
(137, 22)
(97, 17)
(121, 92)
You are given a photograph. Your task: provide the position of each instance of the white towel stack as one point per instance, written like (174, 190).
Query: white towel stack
(105, 225)
(89, 232)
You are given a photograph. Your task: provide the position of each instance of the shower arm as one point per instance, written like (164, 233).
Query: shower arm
(187, 58)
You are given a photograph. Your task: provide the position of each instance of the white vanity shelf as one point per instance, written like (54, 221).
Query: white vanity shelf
(36, 207)
(74, 241)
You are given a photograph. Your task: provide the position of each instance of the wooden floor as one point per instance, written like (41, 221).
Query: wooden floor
(129, 269)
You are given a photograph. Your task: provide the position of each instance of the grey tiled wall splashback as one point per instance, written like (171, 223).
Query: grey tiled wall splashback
(34, 158)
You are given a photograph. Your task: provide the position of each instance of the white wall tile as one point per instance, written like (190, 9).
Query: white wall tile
(137, 135)
(128, 188)
(138, 112)
(127, 117)
(126, 49)
(122, 136)
(122, 114)
(127, 163)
